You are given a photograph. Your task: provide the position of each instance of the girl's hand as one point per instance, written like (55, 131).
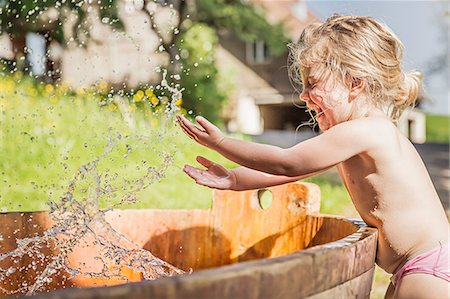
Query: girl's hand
(215, 176)
(208, 135)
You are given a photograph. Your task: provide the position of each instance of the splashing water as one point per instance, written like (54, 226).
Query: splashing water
(111, 179)
(177, 93)
(77, 220)
(80, 223)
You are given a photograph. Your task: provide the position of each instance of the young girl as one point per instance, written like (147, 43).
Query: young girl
(350, 69)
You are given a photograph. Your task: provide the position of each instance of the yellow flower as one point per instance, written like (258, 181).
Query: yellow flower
(7, 86)
(149, 93)
(18, 75)
(81, 91)
(103, 86)
(49, 88)
(138, 96)
(64, 87)
(179, 102)
(32, 92)
(154, 100)
(112, 107)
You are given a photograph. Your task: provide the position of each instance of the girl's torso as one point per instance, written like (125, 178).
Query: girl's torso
(391, 189)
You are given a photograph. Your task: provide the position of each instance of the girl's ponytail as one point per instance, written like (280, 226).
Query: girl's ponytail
(408, 92)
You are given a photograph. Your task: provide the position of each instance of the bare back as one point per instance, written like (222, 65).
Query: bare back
(391, 189)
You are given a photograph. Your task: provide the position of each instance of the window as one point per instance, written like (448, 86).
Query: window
(257, 52)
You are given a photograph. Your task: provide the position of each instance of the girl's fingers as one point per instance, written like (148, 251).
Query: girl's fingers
(191, 169)
(183, 124)
(193, 172)
(205, 162)
(209, 127)
(189, 133)
(190, 126)
(186, 130)
(199, 176)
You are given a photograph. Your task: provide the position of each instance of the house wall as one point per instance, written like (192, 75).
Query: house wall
(129, 57)
(266, 86)
(284, 117)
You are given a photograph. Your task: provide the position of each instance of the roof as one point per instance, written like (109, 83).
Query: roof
(294, 14)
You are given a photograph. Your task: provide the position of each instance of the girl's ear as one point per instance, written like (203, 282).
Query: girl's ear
(357, 87)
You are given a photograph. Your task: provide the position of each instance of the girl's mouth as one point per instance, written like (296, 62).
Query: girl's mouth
(316, 110)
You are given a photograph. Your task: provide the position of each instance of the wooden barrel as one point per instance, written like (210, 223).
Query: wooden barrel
(236, 249)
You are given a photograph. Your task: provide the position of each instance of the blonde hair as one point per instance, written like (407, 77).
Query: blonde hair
(358, 48)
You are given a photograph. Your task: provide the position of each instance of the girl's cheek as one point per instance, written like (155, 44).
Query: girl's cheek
(320, 97)
(316, 95)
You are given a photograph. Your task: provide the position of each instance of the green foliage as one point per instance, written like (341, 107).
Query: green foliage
(19, 17)
(438, 128)
(202, 94)
(205, 90)
(247, 22)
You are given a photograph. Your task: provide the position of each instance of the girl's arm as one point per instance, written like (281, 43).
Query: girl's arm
(252, 179)
(242, 178)
(337, 144)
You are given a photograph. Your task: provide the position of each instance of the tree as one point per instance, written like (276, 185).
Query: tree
(197, 25)
(440, 62)
(47, 17)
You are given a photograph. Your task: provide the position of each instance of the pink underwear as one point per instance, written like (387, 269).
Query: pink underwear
(435, 262)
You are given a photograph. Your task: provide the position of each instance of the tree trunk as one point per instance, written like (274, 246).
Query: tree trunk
(52, 67)
(20, 52)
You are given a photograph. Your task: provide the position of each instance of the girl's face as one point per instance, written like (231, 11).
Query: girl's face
(324, 93)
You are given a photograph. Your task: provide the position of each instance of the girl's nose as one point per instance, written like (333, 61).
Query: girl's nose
(304, 95)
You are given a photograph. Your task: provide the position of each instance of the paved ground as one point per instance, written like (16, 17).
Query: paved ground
(435, 156)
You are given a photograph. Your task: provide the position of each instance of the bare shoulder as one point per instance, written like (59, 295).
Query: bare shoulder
(371, 131)
(372, 124)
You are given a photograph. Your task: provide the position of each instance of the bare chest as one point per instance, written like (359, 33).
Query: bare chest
(359, 176)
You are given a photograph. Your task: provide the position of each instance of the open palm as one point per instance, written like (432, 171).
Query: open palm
(214, 176)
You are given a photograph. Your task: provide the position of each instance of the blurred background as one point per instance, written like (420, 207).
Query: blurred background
(75, 73)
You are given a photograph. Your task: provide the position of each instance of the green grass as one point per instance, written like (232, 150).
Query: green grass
(45, 139)
(334, 198)
(438, 128)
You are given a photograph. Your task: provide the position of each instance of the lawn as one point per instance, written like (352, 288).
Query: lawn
(438, 128)
(50, 137)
